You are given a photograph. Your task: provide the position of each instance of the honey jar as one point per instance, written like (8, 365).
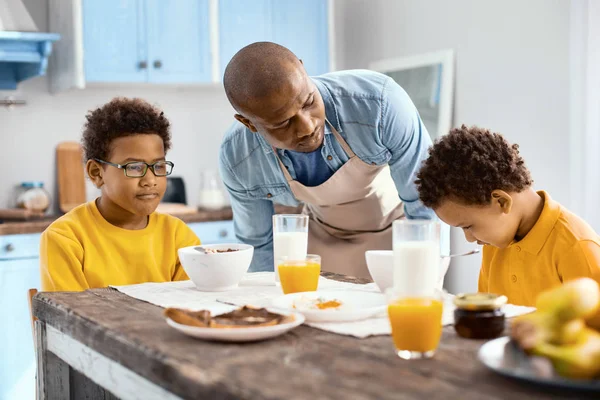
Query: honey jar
(479, 315)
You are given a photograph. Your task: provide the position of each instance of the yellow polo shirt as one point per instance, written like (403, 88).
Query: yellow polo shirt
(81, 250)
(560, 246)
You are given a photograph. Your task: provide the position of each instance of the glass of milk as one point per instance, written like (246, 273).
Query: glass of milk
(290, 238)
(416, 257)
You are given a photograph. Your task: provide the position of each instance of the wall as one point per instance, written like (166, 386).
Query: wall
(29, 134)
(512, 75)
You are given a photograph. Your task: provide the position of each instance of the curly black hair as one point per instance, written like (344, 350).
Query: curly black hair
(118, 118)
(467, 165)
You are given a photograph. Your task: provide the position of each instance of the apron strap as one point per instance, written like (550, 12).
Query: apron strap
(340, 140)
(285, 171)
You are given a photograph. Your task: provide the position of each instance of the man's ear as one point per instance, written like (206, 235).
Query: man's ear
(95, 173)
(502, 200)
(246, 122)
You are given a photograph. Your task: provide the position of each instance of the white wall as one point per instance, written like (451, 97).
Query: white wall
(29, 134)
(512, 75)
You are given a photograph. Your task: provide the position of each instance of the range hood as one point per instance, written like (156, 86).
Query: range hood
(23, 51)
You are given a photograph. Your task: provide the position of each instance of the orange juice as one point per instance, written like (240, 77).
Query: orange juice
(299, 276)
(416, 323)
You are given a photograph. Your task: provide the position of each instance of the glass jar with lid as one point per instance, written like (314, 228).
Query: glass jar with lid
(211, 196)
(32, 196)
(479, 315)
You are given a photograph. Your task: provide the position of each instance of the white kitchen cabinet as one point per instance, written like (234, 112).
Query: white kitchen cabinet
(17, 274)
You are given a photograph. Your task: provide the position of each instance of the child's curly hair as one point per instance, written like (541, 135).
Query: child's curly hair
(468, 164)
(118, 118)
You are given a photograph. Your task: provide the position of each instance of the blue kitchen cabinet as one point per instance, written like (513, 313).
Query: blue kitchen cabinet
(114, 41)
(302, 26)
(19, 271)
(150, 41)
(214, 232)
(242, 22)
(178, 41)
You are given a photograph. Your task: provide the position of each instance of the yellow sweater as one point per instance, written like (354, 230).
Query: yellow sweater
(81, 250)
(559, 247)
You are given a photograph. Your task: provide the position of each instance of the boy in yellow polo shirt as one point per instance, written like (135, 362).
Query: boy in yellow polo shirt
(118, 239)
(477, 181)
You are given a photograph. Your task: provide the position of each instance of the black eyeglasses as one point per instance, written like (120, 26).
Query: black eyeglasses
(138, 169)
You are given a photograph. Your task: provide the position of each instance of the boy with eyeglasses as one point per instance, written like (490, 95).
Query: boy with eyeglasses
(118, 239)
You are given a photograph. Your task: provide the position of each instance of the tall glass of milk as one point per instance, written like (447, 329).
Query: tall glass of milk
(290, 238)
(416, 257)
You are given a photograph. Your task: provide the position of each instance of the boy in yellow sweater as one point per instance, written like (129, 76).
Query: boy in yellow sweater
(475, 180)
(118, 239)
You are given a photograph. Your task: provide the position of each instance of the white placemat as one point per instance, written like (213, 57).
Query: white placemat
(258, 289)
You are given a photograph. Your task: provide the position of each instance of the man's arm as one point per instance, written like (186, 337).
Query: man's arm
(252, 219)
(404, 135)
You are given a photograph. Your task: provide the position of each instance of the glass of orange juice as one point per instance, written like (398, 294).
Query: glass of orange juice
(416, 324)
(299, 275)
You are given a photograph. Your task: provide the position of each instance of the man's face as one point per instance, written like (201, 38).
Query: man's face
(292, 118)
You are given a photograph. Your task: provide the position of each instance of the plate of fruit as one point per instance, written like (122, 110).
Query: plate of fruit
(558, 344)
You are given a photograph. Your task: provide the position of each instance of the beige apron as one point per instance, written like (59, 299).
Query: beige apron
(349, 213)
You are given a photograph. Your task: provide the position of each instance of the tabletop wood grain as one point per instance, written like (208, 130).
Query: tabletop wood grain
(305, 363)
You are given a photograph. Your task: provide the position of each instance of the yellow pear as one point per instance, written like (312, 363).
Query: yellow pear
(594, 321)
(558, 330)
(579, 360)
(559, 315)
(538, 327)
(578, 298)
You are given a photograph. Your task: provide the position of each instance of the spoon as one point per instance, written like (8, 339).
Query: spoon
(468, 253)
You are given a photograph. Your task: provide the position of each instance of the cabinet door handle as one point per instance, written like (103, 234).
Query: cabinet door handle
(157, 64)
(9, 247)
(223, 233)
(142, 65)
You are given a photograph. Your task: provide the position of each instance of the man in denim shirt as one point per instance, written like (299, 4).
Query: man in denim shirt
(346, 144)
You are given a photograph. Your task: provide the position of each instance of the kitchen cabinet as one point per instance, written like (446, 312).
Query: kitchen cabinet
(241, 23)
(19, 271)
(177, 42)
(114, 41)
(130, 41)
(146, 41)
(301, 26)
(214, 232)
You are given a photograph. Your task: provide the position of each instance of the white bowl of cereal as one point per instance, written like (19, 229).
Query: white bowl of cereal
(216, 267)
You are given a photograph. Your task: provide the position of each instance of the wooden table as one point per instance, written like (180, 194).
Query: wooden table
(102, 339)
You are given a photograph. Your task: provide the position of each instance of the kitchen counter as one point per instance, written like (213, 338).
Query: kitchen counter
(36, 226)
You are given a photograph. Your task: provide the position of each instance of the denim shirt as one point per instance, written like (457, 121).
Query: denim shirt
(378, 121)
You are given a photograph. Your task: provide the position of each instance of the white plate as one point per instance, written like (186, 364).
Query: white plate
(250, 334)
(506, 358)
(356, 305)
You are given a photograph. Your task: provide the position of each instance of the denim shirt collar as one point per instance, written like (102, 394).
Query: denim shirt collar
(331, 114)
